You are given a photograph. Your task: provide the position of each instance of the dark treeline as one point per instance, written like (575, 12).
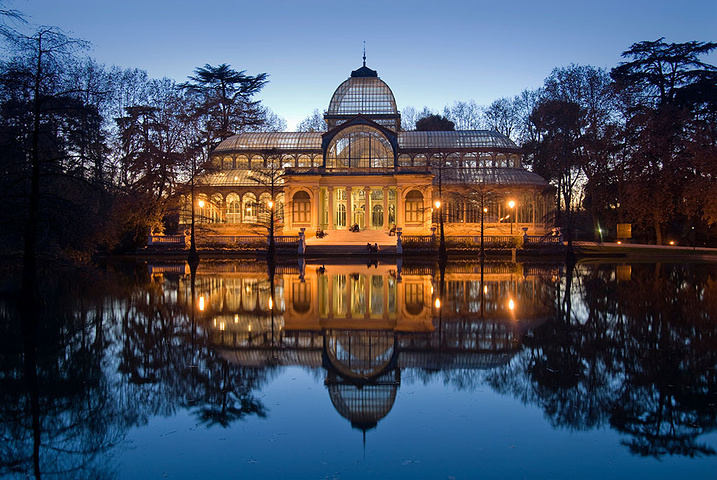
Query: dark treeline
(91, 157)
(637, 144)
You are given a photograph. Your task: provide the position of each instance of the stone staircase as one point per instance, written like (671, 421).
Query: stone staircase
(344, 242)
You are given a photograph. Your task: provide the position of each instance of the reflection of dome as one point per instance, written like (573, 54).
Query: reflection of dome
(364, 406)
(360, 354)
(363, 93)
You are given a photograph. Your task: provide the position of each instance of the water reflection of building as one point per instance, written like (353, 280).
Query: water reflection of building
(364, 324)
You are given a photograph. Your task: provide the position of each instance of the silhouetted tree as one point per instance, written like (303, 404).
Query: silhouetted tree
(434, 123)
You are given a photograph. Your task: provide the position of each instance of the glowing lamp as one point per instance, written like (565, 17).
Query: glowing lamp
(438, 303)
(438, 204)
(511, 204)
(200, 203)
(511, 304)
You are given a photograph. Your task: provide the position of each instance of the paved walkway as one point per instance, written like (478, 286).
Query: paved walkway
(343, 242)
(344, 237)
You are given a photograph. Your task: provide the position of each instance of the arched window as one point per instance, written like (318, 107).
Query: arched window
(249, 208)
(301, 211)
(420, 160)
(233, 208)
(404, 160)
(215, 208)
(359, 146)
(279, 208)
(414, 207)
(202, 209)
(264, 212)
(242, 162)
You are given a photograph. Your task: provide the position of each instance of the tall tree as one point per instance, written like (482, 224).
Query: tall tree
(669, 92)
(225, 100)
(313, 123)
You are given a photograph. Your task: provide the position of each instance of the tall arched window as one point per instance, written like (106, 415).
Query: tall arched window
(359, 146)
(263, 208)
(249, 208)
(233, 208)
(414, 207)
(301, 208)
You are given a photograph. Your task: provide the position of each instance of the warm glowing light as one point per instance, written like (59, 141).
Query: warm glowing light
(222, 326)
(236, 318)
(200, 203)
(438, 303)
(511, 304)
(672, 242)
(485, 210)
(271, 303)
(201, 303)
(250, 327)
(619, 242)
(485, 289)
(431, 289)
(271, 204)
(511, 204)
(438, 204)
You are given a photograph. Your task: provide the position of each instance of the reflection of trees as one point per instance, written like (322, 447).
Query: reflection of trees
(639, 355)
(62, 404)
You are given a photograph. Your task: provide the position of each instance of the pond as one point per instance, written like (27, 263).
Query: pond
(328, 369)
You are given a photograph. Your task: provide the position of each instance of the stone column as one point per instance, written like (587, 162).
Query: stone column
(315, 208)
(330, 191)
(288, 208)
(400, 207)
(349, 208)
(367, 207)
(385, 208)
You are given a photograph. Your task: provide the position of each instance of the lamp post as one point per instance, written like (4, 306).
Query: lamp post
(442, 244)
(511, 204)
(271, 228)
(483, 211)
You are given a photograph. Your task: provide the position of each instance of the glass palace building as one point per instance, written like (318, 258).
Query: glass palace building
(366, 171)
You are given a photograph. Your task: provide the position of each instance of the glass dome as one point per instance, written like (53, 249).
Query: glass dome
(366, 94)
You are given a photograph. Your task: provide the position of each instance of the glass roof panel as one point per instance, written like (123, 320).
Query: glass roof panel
(300, 141)
(461, 139)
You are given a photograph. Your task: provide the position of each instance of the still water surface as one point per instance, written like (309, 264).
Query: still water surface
(347, 371)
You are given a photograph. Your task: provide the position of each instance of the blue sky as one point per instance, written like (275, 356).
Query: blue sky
(429, 53)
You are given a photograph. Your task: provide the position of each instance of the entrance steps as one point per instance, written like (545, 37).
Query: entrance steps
(344, 242)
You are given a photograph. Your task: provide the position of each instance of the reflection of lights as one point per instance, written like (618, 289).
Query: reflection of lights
(511, 304)
(236, 318)
(250, 327)
(485, 289)
(271, 303)
(215, 322)
(431, 289)
(438, 303)
(200, 203)
(201, 303)
(222, 326)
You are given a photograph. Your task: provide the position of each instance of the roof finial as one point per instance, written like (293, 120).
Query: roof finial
(364, 53)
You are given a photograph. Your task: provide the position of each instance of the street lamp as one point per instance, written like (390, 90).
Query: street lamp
(442, 245)
(483, 211)
(511, 204)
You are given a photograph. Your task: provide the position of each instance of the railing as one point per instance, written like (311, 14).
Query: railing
(473, 241)
(166, 240)
(244, 241)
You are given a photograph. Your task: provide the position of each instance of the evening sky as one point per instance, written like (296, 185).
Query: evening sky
(429, 53)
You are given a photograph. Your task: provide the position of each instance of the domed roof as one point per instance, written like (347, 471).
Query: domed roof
(363, 93)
